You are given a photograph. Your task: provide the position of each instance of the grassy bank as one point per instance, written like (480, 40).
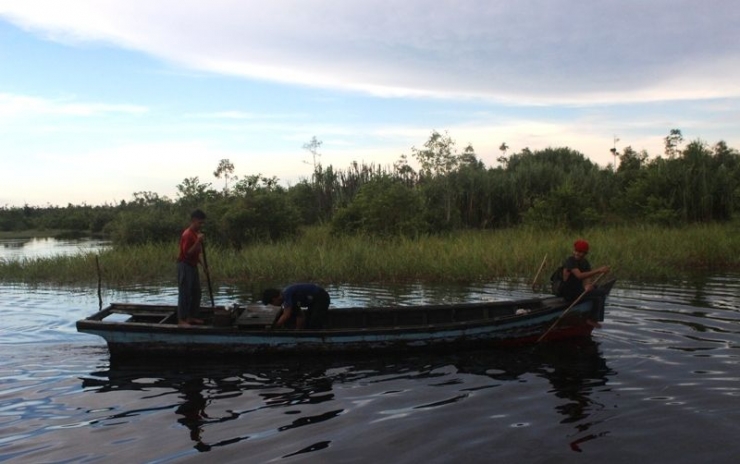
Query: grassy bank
(634, 253)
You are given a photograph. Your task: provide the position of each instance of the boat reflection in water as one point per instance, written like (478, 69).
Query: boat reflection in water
(223, 404)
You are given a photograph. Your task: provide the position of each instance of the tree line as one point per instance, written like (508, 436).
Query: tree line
(449, 190)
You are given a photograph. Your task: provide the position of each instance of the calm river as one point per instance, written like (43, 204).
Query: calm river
(660, 382)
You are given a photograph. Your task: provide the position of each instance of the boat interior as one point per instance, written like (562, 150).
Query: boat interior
(259, 317)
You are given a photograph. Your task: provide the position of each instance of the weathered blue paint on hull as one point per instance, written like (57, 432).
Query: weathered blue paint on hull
(158, 339)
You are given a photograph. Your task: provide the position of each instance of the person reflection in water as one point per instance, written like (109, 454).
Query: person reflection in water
(193, 410)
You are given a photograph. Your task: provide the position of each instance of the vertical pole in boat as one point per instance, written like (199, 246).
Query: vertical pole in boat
(208, 275)
(537, 276)
(100, 297)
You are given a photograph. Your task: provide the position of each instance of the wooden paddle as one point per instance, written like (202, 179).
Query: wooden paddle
(580, 297)
(208, 274)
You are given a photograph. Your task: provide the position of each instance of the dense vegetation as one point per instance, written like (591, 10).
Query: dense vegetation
(554, 189)
(635, 253)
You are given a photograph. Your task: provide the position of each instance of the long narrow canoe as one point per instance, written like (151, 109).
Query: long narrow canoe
(150, 330)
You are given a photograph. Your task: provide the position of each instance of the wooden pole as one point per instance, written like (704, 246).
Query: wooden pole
(100, 296)
(580, 297)
(208, 275)
(537, 276)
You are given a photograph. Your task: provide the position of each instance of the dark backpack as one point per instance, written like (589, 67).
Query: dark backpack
(556, 281)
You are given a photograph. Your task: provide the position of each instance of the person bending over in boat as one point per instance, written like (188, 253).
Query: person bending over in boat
(577, 272)
(294, 297)
(188, 280)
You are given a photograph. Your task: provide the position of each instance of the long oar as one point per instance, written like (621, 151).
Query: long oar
(208, 274)
(537, 276)
(580, 297)
(100, 296)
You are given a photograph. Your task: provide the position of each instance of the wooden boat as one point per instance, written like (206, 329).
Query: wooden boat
(150, 330)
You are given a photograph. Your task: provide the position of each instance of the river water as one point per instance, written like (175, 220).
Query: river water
(659, 382)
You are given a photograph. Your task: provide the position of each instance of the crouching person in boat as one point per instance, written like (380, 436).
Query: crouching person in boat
(574, 280)
(577, 275)
(294, 297)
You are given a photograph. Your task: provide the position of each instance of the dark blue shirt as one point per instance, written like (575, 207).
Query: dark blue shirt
(300, 295)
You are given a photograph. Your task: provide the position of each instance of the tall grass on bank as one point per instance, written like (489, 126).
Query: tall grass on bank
(634, 253)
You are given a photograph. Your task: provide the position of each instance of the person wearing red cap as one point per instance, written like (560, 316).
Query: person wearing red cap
(577, 272)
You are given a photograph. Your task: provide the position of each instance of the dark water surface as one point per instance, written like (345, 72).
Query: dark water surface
(660, 382)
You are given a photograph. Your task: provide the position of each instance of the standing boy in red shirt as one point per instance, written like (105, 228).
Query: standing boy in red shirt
(188, 279)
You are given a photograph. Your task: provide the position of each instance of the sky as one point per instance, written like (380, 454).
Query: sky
(100, 99)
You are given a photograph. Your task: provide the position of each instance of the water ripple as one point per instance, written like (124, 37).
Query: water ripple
(662, 369)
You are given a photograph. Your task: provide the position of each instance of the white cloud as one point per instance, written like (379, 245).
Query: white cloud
(532, 52)
(242, 115)
(13, 106)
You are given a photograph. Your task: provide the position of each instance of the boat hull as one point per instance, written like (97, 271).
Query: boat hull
(521, 322)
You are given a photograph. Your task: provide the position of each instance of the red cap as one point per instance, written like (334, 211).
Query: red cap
(581, 246)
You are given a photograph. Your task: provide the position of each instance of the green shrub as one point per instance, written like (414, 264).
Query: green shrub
(382, 207)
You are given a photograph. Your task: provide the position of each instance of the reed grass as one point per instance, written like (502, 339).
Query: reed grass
(634, 253)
